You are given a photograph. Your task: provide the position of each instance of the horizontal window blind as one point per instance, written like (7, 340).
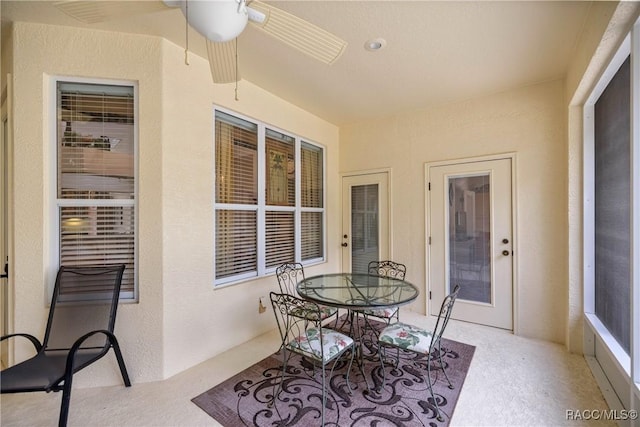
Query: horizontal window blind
(236, 160)
(236, 242)
(280, 238)
(312, 235)
(260, 197)
(364, 232)
(312, 176)
(95, 162)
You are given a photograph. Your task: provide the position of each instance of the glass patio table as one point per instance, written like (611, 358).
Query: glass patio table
(357, 291)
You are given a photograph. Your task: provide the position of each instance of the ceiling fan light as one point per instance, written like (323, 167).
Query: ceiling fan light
(218, 21)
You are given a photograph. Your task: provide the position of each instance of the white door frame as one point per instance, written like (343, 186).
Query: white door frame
(389, 236)
(515, 241)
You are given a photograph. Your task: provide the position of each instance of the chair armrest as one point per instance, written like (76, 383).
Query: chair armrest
(76, 346)
(34, 340)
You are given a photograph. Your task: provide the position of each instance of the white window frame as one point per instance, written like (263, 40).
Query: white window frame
(261, 207)
(612, 366)
(55, 203)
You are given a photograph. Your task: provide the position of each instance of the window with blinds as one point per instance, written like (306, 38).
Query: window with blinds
(95, 152)
(269, 205)
(312, 195)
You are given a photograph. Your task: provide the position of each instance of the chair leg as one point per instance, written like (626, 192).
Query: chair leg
(276, 389)
(353, 352)
(433, 397)
(324, 395)
(384, 372)
(335, 326)
(66, 400)
(120, 359)
(442, 367)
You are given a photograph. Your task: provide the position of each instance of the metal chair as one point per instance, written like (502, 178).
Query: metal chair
(77, 334)
(412, 338)
(289, 274)
(385, 269)
(308, 338)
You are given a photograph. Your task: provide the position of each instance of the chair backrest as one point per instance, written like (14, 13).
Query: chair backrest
(293, 316)
(289, 274)
(443, 317)
(387, 269)
(69, 318)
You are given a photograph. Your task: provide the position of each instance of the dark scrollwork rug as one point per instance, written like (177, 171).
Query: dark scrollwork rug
(242, 400)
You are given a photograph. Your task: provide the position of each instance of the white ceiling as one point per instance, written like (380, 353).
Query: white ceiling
(437, 51)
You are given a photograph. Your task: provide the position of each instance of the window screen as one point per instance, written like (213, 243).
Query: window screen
(612, 207)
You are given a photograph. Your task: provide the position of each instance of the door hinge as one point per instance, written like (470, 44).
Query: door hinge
(429, 185)
(429, 241)
(429, 294)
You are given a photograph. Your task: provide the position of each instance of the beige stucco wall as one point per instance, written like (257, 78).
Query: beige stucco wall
(180, 319)
(200, 321)
(528, 121)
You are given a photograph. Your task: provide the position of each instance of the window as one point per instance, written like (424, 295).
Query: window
(612, 136)
(269, 203)
(612, 225)
(96, 178)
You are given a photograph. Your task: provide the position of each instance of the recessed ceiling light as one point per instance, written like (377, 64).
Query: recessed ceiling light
(375, 44)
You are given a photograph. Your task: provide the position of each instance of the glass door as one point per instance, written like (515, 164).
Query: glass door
(364, 226)
(470, 240)
(365, 222)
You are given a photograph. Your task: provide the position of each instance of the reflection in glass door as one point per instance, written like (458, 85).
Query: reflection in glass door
(469, 237)
(364, 226)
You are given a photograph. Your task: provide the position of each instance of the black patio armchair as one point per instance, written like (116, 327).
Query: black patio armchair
(78, 333)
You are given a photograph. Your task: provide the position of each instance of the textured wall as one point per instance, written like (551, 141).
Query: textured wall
(529, 121)
(200, 321)
(180, 319)
(41, 51)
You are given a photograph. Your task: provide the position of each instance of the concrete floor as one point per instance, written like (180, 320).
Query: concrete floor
(512, 381)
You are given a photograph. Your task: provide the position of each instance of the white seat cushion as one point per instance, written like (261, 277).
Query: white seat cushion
(407, 337)
(333, 342)
(384, 313)
(311, 313)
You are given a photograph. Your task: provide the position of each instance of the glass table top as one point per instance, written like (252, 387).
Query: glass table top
(357, 291)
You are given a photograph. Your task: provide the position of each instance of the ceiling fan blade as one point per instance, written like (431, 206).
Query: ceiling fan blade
(298, 33)
(91, 12)
(222, 61)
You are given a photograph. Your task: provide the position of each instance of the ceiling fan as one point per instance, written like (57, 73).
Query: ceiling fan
(220, 22)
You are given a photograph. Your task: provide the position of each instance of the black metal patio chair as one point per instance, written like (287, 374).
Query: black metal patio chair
(302, 333)
(415, 339)
(385, 269)
(289, 274)
(77, 334)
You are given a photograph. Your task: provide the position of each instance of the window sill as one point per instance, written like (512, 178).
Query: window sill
(615, 350)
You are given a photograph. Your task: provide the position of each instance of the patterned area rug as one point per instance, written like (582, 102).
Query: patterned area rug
(403, 401)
